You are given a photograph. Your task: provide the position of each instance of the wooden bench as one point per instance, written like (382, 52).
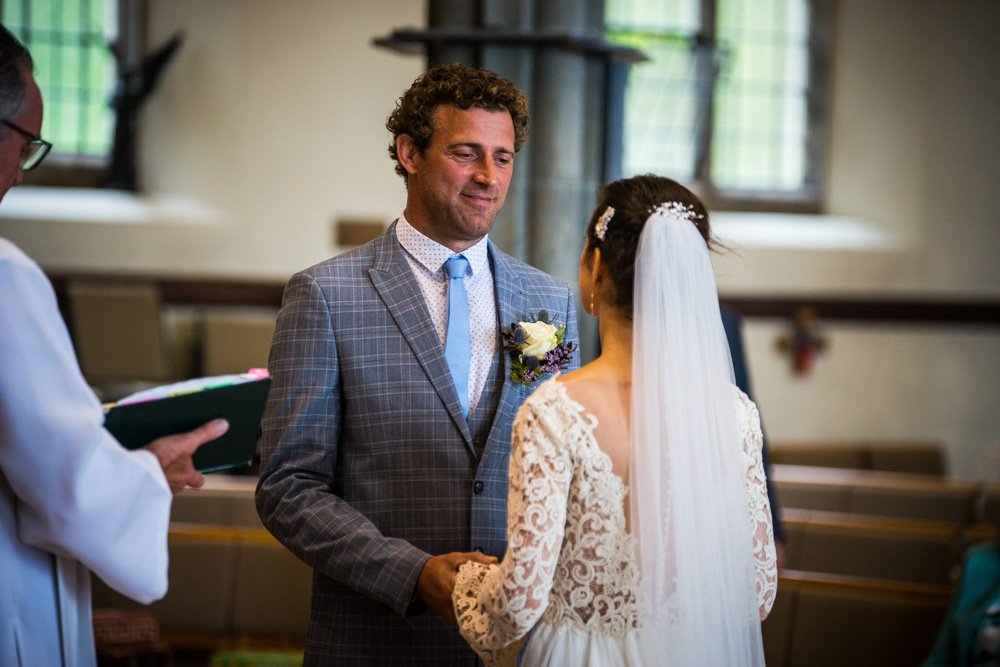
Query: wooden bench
(988, 507)
(230, 587)
(886, 456)
(235, 339)
(232, 584)
(225, 500)
(902, 495)
(869, 546)
(825, 620)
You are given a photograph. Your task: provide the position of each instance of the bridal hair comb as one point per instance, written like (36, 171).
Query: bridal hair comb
(674, 208)
(601, 228)
(677, 209)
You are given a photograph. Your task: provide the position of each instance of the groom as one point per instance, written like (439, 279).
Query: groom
(384, 448)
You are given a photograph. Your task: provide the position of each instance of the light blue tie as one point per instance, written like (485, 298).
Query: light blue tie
(457, 340)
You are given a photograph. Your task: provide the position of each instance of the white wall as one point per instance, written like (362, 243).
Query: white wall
(269, 125)
(915, 139)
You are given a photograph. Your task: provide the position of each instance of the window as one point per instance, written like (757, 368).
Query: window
(731, 99)
(71, 43)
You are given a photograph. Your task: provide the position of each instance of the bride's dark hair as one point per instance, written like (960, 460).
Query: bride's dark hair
(633, 200)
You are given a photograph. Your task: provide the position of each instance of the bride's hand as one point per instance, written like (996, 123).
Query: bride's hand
(437, 580)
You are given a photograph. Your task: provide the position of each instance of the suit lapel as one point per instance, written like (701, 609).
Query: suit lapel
(393, 280)
(512, 306)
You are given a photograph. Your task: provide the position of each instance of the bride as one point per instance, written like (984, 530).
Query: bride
(639, 529)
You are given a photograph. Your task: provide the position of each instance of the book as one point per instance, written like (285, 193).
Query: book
(139, 419)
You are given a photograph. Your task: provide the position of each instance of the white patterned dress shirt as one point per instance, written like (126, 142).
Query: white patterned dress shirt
(427, 257)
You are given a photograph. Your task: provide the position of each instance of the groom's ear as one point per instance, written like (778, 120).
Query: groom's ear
(408, 153)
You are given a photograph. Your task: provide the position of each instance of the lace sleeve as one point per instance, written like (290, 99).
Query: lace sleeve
(765, 557)
(497, 606)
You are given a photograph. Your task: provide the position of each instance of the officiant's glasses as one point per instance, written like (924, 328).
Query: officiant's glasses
(34, 151)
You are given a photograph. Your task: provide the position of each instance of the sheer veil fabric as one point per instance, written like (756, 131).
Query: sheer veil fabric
(687, 496)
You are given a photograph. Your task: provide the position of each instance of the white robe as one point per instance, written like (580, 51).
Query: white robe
(71, 498)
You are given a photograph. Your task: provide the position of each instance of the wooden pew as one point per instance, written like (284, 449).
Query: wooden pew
(902, 495)
(988, 507)
(870, 546)
(825, 620)
(230, 587)
(977, 533)
(843, 455)
(225, 500)
(922, 457)
(233, 340)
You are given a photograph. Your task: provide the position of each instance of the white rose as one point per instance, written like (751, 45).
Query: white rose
(540, 338)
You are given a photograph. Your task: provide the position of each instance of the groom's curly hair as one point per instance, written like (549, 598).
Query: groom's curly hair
(634, 200)
(465, 87)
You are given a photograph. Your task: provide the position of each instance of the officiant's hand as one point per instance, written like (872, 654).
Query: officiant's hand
(174, 453)
(437, 580)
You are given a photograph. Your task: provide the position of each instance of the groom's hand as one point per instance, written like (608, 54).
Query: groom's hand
(437, 580)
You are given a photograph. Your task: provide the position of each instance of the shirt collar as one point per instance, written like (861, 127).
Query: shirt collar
(431, 255)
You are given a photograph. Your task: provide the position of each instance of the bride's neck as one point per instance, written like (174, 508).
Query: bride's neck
(615, 331)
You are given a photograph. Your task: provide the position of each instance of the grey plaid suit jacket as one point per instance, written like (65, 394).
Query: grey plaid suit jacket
(368, 466)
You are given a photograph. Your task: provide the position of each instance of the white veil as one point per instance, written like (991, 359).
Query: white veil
(687, 478)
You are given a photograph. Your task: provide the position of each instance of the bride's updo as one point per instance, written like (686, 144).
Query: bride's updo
(633, 200)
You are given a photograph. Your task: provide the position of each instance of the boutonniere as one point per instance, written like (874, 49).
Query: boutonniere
(537, 348)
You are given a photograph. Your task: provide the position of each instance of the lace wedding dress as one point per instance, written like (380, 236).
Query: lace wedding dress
(570, 571)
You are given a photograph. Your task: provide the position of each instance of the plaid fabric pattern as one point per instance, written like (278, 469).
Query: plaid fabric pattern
(368, 466)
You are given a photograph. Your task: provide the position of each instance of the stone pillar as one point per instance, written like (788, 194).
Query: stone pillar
(566, 158)
(517, 64)
(567, 151)
(451, 14)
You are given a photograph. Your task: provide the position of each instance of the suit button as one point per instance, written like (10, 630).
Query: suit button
(478, 487)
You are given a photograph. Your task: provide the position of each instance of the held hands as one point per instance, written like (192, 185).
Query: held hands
(174, 453)
(437, 580)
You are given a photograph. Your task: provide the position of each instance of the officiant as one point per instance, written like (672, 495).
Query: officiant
(72, 499)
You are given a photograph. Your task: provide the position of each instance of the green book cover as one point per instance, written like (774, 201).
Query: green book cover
(137, 424)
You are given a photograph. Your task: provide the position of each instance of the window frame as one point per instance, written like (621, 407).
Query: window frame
(810, 198)
(88, 171)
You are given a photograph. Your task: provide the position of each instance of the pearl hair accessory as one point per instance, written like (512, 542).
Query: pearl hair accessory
(677, 209)
(601, 228)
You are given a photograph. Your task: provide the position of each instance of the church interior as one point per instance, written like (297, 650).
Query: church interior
(870, 308)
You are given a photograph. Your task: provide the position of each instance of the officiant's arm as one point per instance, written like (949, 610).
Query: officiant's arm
(300, 439)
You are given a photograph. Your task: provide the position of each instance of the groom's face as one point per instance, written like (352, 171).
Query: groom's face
(457, 186)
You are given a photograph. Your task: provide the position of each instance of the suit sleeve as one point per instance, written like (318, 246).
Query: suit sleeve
(299, 447)
(80, 494)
